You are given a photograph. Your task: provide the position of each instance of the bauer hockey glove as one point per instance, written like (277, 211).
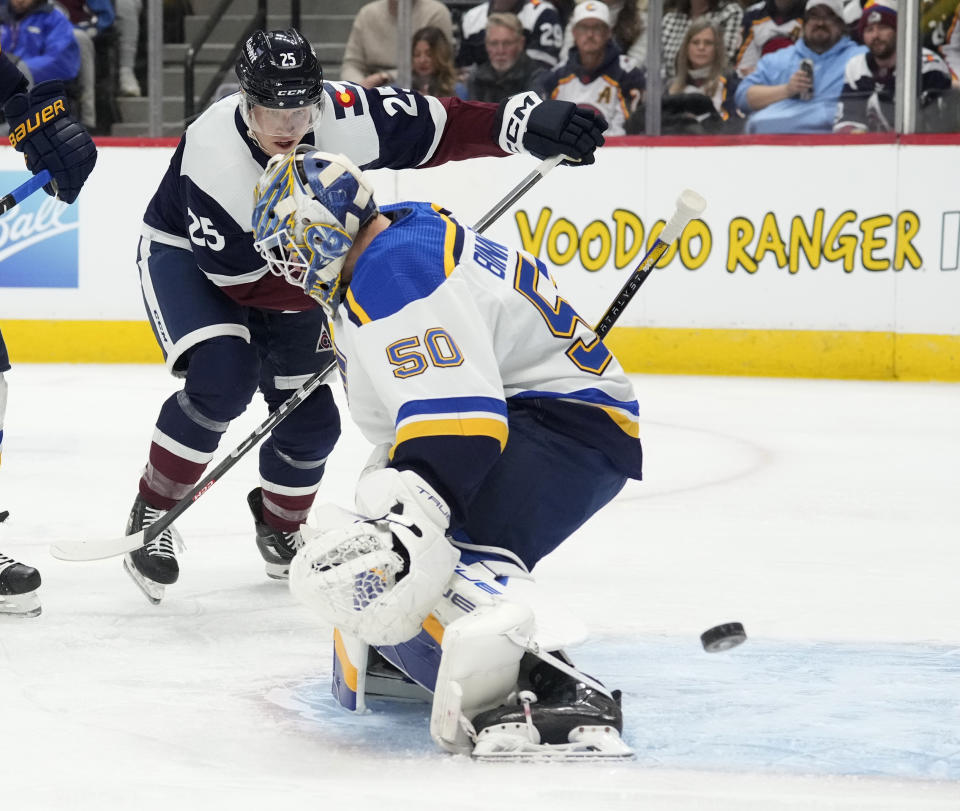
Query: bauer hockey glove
(42, 128)
(546, 128)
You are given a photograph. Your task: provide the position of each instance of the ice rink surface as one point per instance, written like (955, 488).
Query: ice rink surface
(821, 514)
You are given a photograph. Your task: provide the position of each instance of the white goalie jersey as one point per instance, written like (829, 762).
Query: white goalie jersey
(443, 332)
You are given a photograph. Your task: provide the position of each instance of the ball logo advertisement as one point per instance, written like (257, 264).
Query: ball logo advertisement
(38, 240)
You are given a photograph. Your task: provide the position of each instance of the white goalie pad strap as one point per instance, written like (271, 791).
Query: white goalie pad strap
(478, 669)
(516, 116)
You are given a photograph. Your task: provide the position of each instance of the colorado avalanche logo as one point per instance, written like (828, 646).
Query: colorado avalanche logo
(346, 97)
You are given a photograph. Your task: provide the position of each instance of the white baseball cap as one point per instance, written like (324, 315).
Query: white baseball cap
(836, 6)
(591, 10)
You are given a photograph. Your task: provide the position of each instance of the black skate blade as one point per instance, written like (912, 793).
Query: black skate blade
(151, 590)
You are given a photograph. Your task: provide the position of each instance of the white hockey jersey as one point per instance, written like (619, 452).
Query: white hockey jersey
(205, 201)
(442, 331)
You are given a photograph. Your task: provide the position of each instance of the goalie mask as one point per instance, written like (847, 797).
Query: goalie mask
(308, 208)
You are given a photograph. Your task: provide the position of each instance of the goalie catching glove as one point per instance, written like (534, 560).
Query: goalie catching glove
(525, 123)
(378, 578)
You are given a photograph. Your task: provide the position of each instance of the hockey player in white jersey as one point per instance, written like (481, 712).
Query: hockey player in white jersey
(230, 327)
(505, 423)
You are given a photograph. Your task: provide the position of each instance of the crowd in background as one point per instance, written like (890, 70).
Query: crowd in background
(89, 44)
(725, 67)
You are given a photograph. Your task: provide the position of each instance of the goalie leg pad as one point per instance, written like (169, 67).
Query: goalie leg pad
(361, 672)
(349, 671)
(478, 669)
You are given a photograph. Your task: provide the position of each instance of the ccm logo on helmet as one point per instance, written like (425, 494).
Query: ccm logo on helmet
(299, 92)
(47, 114)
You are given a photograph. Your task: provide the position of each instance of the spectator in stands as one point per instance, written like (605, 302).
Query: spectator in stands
(541, 23)
(128, 37)
(727, 15)
(90, 18)
(629, 25)
(509, 69)
(768, 26)
(371, 57)
(432, 64)
(866, 103)
(38, 38)
(596, 75)
(940, 29)
(702, 71)
(780, 96)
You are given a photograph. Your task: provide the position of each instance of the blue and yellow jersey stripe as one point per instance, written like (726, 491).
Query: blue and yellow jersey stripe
(452, 416)
(624, 414)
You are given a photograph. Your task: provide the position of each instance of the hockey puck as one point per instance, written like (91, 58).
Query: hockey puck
(723, 637)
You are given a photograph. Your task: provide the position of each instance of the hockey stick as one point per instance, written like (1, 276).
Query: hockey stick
(111, 547)
(689, 205)
(23, 191)
(516, 193)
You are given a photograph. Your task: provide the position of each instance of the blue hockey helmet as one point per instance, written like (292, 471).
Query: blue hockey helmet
(308, 208)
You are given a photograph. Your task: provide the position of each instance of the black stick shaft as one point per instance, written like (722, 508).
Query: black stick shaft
(630, 288)
(689, 205)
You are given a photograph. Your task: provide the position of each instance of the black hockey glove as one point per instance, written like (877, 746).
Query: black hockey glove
(42, 129)
(545, 128)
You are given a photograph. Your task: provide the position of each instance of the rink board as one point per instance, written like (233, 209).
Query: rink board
(810, 260)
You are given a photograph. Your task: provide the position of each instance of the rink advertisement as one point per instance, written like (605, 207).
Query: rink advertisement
(38, 240)
(809, 260)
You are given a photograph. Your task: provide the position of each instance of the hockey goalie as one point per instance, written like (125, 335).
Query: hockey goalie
(502, 422)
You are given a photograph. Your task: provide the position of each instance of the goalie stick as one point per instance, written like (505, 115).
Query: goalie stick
(689, 205)
(23, 191)
(99, 549)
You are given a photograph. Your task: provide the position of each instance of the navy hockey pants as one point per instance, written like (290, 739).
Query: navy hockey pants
(544, 486)
(226, 352)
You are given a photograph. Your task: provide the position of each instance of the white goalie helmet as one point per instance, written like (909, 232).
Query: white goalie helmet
(308, 208)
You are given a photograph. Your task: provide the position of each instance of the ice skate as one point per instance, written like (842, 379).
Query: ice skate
(559, 718)
(154, 565)
(18, 588)
(276, 547)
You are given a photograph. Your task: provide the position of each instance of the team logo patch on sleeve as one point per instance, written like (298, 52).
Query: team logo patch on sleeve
(346, 101)
(346, 97)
